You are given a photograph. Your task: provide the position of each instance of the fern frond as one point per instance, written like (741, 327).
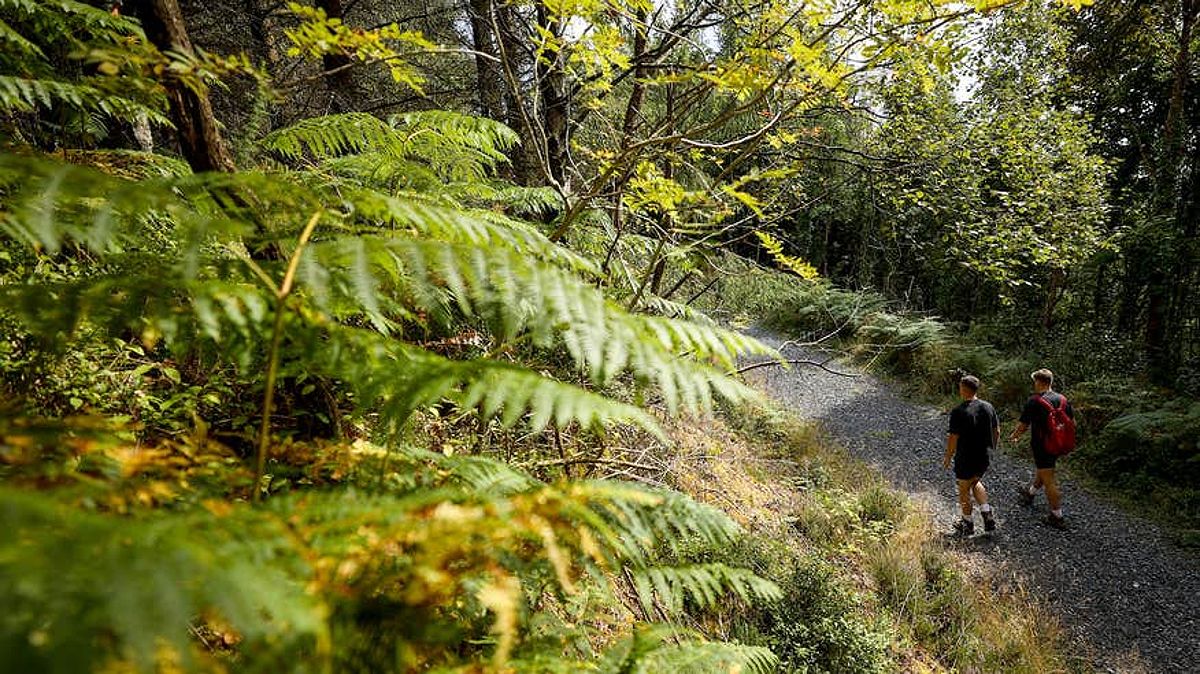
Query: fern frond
(50, 203)
(81, 15)
(380, 171)
(485, 476)
(702, 584)
(492, 275)
(88, 582)
(431, 132)
(12, 38)
(400, 378)
(644, 518)
(705, 657)
(514, 199)
(130, 164)
(552, 305)
(482, 229)
(670, 309)
(335, 135)
(455, 147)
(23, 94)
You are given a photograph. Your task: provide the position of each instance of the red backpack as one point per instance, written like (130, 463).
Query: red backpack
(1059, 435)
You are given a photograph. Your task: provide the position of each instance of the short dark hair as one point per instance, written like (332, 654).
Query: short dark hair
(1043, 376)
(970, 381)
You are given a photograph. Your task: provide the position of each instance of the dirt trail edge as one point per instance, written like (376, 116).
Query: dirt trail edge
(1123, 590)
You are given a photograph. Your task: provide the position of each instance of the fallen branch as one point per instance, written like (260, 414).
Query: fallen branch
(813, 363)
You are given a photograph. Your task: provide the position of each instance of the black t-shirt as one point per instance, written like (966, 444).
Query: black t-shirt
(973, 422)
(1035, 415)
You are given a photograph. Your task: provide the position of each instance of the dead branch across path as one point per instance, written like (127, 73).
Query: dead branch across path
(813, 363)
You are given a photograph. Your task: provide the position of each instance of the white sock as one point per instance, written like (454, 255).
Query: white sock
(1057, 513)
(986, 508)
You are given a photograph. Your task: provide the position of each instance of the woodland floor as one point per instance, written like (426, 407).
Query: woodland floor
(1128, 597)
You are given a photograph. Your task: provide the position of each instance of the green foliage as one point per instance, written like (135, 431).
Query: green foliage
(24, 95)
(700, 584)
(319, 35)
(793, 264)
(360, 269)
(96, 589)
(819, 625)
(77, 65)
(1158, 442)
(170, 304)
(451, 540)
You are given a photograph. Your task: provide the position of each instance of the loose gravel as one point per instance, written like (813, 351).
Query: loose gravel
(1125, 593)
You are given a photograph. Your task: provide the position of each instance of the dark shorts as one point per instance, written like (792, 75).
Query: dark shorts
(971, 469)
(1043, 459)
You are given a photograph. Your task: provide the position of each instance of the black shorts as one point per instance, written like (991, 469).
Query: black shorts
(1044, 460)
(970, 470)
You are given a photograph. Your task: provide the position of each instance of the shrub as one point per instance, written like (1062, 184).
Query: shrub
(819, 626)
(1163, 443)
(882, 507)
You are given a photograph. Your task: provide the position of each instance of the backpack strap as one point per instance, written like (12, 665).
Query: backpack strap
(1049, 407)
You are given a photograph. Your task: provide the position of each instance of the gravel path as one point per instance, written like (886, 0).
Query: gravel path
(1124, 591)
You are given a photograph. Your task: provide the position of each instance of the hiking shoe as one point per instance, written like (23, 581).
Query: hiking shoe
(964, 528)
(1055, 522)
(1025, 496)
(989, 522)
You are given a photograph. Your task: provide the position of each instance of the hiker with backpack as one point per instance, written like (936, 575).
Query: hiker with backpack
(1052, 419)
(974, 432)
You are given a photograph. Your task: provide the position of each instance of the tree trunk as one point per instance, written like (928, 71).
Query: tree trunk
(339, 79)
(633, 112)
(196, 127)
(554, 102)
(524, 158)
(487, 72)
(1054, 288)
(1164, 272)
(1173, 133)
(637, 91)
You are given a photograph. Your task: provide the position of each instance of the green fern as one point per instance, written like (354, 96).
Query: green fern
(342, 261)
(15, 40)
(72, 15)
(336, 135)
(490, 275)
(702, 584)
(661, 648)
(89, 582)
(23, 95)
(40, 66)
(397, 379)
(704, 657)
(277, 576)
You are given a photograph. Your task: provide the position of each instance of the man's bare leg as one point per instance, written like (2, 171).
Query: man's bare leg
(1045, 476)
(980, 494)
(981, 497)
(965, 487)
(965, 526)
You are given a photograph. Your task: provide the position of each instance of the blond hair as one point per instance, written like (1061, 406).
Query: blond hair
(1043, 376)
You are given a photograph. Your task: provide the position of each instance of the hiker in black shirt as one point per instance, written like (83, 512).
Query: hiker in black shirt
(974, 431)
(1035, 415)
